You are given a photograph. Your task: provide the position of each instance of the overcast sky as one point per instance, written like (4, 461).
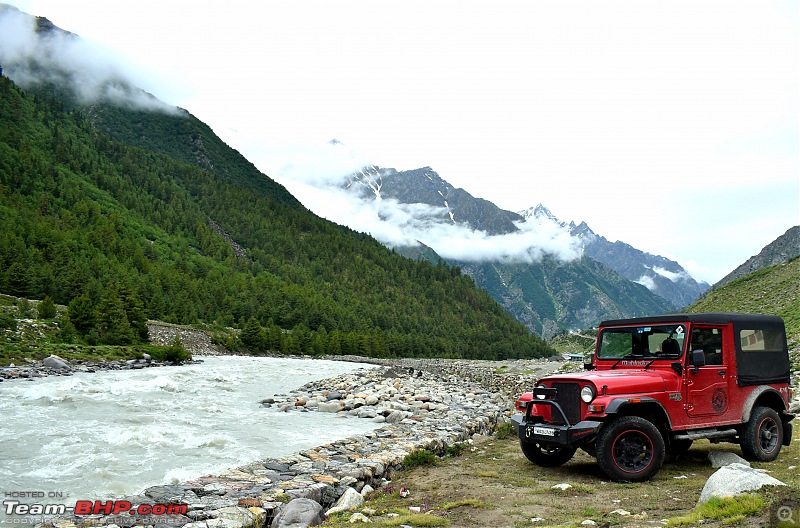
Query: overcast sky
(672, 126)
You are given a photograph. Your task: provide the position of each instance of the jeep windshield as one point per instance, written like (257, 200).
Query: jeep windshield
(650, 342)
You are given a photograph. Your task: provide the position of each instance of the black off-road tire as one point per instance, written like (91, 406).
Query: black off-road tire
(762, 436)
(547, 455)
(630, 449)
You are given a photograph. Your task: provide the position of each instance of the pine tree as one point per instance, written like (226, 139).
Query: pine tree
(252, 335)
(112, 321)
(47, 308)
(81, 314)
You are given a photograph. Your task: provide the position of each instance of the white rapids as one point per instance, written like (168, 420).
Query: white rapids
(96, 436)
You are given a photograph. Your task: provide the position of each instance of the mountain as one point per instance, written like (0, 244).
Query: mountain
(660, 275)
(783, 249)
(110, 206)
(425, 186)
(550, 291)
(772, 290)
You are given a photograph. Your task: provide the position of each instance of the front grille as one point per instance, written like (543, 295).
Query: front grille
(569, 398)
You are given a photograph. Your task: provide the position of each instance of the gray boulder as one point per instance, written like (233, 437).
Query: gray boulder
(169, 494)
(719, 459)
(55, 362)
(299, 513)
(735, 479)
(350, 500)
(334, 406)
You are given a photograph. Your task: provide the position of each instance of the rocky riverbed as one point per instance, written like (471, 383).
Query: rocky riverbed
(418, 404)
(56, 366)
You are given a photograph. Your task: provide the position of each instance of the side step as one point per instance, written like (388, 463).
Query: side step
(706, 433)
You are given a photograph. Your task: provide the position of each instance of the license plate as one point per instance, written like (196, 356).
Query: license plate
(544, 431)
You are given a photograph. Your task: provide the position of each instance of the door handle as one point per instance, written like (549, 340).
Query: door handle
(721, 372)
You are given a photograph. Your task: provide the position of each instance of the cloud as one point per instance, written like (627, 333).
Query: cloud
(647, 282)
(671, 275)
(315, 177)
(52, 56)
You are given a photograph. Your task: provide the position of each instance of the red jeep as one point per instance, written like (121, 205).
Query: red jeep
(656, 384)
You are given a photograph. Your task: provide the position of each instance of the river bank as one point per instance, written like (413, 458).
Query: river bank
(419, 404)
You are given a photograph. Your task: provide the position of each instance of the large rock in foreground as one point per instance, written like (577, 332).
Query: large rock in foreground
(735, 479)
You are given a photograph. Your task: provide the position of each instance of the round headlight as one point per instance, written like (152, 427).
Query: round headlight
(587, 394)
(540, 396)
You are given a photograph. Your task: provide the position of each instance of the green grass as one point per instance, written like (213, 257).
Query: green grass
(728, 510)
(472, 503)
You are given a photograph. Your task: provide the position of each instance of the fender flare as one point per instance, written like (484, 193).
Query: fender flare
(750, 402)
(617, 403)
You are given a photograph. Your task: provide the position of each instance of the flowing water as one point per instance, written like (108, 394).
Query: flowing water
(104, 435)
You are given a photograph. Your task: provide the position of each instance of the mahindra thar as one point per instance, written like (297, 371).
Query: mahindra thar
(656, 384)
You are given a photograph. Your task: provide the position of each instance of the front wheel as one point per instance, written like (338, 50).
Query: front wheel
(546, 455)
(762, 436)
(630, 449)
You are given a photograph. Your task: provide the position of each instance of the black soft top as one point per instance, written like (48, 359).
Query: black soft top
(709, 317)
(768, 365)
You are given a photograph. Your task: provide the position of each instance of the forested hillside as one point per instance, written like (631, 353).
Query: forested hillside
(773, 290)
(200, 236)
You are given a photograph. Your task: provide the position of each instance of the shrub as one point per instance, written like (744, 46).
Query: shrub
(504, 430)
(7, 320)
(176, 353)
(455, 449)
(419, 457)
(47, 308)
(24, 308)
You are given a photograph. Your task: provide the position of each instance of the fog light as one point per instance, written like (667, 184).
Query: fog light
(541, 396)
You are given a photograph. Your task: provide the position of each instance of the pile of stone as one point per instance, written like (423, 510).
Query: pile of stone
(196, 342)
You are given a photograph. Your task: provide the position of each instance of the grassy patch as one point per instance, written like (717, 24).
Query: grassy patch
(415, 520)
(728, 510)
(472, 503)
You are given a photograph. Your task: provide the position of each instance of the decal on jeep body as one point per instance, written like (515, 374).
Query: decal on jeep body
(719, 400)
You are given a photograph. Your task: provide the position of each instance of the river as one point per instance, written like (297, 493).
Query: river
(97, 436)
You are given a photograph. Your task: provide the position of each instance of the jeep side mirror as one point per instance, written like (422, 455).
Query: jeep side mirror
(698, 359)
(588, 365)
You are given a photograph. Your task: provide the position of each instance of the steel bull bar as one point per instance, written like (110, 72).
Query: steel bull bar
(531, 430)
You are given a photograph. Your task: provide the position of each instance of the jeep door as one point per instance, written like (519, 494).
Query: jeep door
(707, 383)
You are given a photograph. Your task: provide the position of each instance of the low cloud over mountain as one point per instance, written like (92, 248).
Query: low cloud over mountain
(324, 182)
(33, 51)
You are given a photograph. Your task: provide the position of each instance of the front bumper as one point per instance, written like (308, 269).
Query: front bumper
(563, 435)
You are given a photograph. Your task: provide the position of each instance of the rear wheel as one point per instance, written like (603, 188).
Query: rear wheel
(630, 449)
(546, 455)
(762, 436)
